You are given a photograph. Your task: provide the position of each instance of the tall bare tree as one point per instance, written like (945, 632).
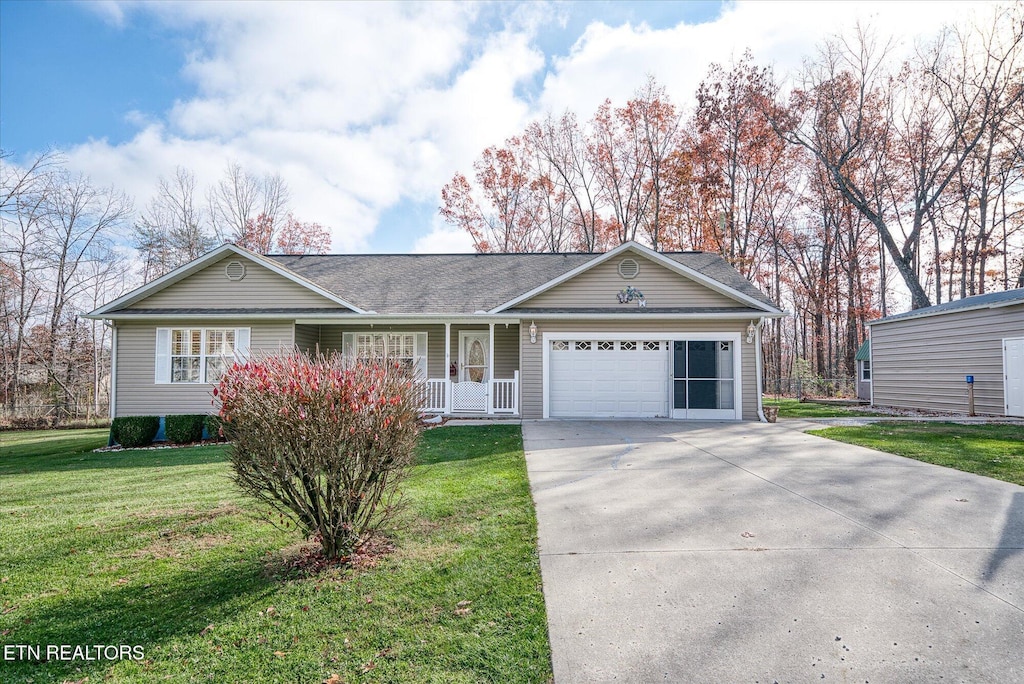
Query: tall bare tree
(173, 230)
(79, 221)
(24, 192)
(240, 198)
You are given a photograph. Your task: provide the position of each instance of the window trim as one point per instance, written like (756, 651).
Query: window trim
(420, 343)
(164, 358)
(865, 365)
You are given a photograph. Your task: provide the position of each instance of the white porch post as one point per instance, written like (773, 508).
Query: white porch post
(490, 369)
(447, 367)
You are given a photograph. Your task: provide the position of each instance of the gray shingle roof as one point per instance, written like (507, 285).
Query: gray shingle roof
(1006, 298)
(463, 283)
(241, 312)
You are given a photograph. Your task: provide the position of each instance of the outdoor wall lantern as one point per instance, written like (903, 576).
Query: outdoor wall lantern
(533, 333)
(751, 332)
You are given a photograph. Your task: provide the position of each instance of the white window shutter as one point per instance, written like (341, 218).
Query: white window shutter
(421, 355)
(242, 343)
(163, 356)
(348, 345)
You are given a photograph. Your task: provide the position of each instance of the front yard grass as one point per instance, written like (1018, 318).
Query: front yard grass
(993, 450)
(158, 549)
(794, 408)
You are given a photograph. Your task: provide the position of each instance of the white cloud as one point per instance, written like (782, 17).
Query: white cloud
(443, 239)
(360, 106)
(613, 62)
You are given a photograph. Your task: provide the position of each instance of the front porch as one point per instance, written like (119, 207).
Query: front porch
(470, 369)
(496, 396)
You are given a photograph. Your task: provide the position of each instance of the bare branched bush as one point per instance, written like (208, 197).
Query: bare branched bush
(322, 441)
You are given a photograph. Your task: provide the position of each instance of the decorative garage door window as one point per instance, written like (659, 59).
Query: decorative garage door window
(703, 374)
(608, 345)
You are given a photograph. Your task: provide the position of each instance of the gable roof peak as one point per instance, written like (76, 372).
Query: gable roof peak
(199, 263)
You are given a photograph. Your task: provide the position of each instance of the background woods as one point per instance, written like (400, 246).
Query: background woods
(69, 246)
(863, 186)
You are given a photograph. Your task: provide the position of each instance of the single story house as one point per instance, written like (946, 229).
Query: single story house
(863, 362)
(627, 333)
(924, 359)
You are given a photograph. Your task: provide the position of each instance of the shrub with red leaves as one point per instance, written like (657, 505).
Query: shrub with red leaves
(322, 441)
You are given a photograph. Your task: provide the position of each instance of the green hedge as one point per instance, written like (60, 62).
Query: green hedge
(134, 431)
(213, 424)
(184, 429)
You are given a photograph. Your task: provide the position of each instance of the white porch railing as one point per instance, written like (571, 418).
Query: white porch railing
(435, 398)
(506, 394)
(470, 397)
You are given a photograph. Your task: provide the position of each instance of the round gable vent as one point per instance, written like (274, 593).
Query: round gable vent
(235, 270)
(629, 268)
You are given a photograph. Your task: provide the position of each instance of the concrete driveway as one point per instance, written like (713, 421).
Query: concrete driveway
(726, 552)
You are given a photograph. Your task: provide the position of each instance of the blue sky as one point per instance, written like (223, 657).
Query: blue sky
(366, 110)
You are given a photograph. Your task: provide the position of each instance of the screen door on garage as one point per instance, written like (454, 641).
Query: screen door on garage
(703, 379)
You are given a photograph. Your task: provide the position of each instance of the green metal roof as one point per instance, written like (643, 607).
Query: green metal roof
(864, 353)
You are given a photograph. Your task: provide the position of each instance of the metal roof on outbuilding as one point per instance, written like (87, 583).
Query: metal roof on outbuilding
(989, 300)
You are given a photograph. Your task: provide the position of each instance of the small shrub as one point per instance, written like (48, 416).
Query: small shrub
(134, 431)
(322, 441)
(184, 429)
(212, 423)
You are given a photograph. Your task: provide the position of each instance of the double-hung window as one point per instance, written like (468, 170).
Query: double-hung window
(197, 355)
(410, 349)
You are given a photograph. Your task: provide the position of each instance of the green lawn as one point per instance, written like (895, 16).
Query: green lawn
(157, 549)
(792, 408)
(996, 451)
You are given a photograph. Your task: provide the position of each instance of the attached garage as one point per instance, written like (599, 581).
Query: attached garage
(642, 375)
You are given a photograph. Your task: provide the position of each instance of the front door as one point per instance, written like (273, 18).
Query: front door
(469, 393)
(1013, 375)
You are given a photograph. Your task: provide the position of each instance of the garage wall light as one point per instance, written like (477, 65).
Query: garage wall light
(533, 333)
(751, 332)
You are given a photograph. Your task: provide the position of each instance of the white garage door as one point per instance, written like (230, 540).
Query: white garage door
(608, 378)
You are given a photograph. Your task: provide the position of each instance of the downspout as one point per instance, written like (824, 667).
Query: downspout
(759, 372)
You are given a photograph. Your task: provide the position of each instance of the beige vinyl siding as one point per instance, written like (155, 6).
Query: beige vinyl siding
(922, 362)
(531, 371)
(137, 392)
(307, 337)
(260, 288)
(506, 351)
(599, 286)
